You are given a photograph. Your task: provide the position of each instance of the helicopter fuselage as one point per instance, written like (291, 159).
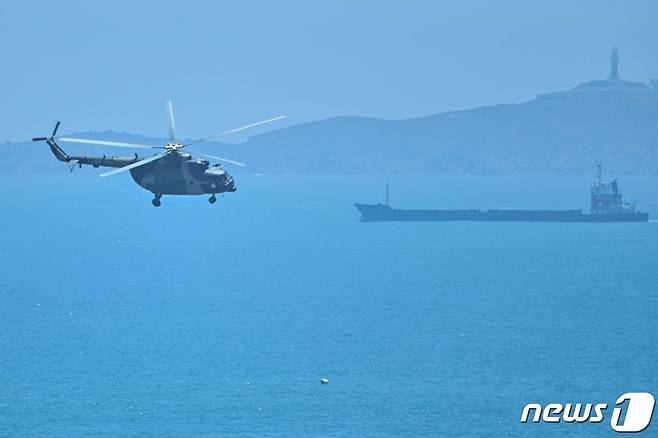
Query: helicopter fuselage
(179, 174)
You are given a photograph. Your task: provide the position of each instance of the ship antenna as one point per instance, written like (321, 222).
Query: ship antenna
(387, 192)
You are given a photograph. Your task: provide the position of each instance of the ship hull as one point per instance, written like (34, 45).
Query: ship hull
(384, 213)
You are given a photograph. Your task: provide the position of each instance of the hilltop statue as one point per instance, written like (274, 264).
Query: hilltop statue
(613, 84)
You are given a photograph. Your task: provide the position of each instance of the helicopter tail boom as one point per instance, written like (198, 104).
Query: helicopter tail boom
(57, 151)
(95, 161)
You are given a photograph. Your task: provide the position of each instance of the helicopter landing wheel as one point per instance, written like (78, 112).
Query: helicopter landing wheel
(212, 199)
(156, 201)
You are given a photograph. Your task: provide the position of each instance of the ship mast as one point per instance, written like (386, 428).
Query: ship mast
(598, 173)
(614, 65)
(387, 192)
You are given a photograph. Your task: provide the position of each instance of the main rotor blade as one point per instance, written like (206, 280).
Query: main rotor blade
(108, 143)
(136, 164)
(55, 130)
(221, 134)
(224, 160)
(172, 125)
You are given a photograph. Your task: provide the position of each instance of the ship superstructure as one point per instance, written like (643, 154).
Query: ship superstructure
(606, 197)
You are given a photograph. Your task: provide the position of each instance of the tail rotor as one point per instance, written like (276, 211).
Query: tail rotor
(52, 136)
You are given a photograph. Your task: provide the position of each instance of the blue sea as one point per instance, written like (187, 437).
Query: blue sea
(121, 319)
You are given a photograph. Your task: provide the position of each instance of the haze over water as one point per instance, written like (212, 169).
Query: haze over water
(122, 319)
(225, 64)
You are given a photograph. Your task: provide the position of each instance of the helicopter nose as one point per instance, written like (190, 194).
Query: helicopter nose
(230, 185)
(226, 182)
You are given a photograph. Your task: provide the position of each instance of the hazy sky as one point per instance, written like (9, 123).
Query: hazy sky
(112, 65)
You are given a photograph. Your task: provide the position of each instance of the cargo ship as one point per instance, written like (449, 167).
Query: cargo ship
(607, 205)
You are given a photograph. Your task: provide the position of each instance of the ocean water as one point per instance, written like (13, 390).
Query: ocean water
(120, 319)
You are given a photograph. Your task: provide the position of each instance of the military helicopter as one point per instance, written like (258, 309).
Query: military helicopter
(170, 172)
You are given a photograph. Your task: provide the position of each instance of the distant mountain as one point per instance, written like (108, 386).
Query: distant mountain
(612, 121)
